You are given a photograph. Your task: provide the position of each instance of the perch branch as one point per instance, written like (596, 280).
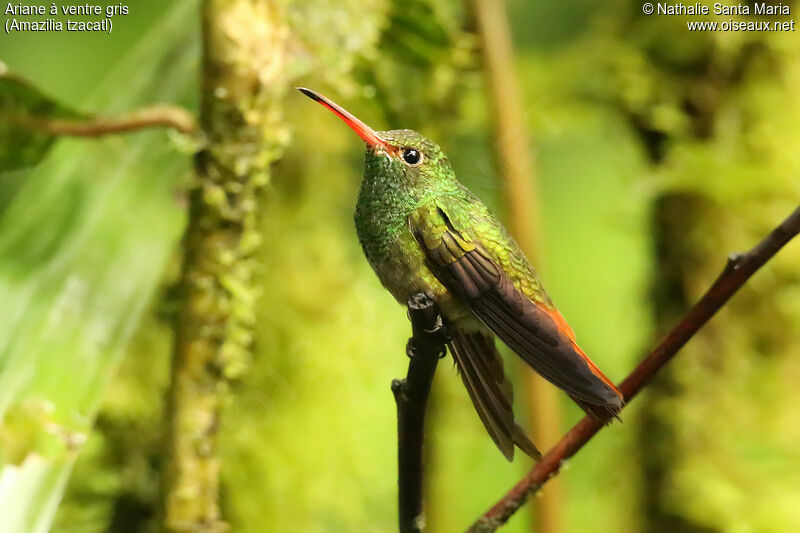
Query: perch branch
(424, 349)
(161, 116)
(737, 271)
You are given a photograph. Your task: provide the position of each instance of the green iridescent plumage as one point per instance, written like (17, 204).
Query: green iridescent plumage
(422, 231)
(393, 191)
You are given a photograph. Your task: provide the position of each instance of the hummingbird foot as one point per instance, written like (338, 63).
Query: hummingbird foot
(412, 344)
(424, 315)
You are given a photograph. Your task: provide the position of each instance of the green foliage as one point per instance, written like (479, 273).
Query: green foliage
(83, 243)
(625, 110)
(712, 432)
(423, 62)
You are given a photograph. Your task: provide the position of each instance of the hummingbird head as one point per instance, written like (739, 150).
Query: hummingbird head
(404, 156)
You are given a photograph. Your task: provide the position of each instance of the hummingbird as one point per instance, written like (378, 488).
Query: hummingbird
(422, 231)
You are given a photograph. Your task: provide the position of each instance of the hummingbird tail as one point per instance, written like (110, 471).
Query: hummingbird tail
(602, 413)
(481, 369)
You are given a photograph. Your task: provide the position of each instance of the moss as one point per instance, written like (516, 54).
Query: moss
(246, 75)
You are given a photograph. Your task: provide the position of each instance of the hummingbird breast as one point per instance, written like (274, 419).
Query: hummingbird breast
(394, 254)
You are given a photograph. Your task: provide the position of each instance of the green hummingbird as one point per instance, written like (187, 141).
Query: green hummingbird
(424, 232)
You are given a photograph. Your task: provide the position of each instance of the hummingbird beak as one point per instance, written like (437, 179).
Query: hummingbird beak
(363, 131)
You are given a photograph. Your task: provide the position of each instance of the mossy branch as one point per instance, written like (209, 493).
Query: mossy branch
(244, 47)
(737, 271)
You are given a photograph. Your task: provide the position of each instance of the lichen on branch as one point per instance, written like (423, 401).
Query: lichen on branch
(252, 52)
(240, 116)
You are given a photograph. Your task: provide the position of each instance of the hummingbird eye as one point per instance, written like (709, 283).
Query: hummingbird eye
(412, 157)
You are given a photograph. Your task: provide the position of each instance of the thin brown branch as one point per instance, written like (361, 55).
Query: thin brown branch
(161, 116)
(511, 143)
(425, 348)
(737, 271)
(516, 167)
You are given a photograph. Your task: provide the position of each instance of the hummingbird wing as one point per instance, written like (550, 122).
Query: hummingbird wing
(481, 369)
(472, 255)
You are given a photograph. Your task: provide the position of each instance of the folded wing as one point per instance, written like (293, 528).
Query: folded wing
(534, 330)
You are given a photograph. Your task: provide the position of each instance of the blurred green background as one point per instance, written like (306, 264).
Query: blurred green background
(658, 152)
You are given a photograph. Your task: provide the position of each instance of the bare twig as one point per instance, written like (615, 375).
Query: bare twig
(737, 271)
(161, 116)
(425, 348)
(517, 171)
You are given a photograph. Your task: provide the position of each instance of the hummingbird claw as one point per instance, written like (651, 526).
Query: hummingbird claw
(411, 348)
(437, 326)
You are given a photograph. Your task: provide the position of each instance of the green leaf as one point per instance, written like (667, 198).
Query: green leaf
(83, 245)
(23, 110)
